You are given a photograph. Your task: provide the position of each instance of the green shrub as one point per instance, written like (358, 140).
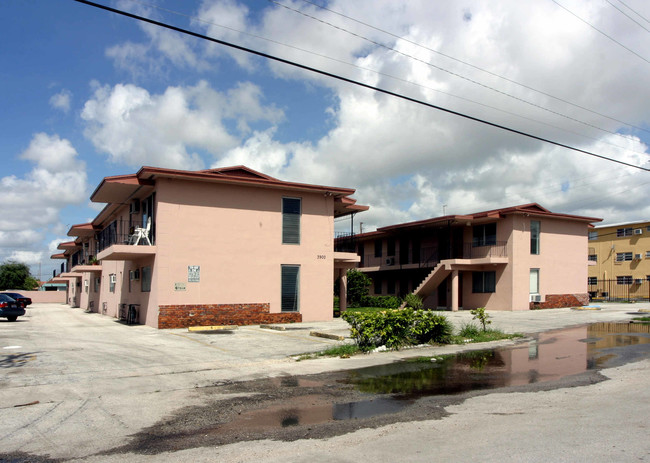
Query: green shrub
(413, 301)
(396, 328)
(481, 316)
(337, 302)
(469, 330)
(430, 327)
(358, 285)
(384, 302)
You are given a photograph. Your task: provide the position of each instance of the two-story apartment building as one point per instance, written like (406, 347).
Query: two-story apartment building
(175, 248)
(514, 258)
(619, 261)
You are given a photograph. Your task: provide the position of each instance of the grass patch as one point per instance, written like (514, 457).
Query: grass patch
(343, 351)
(470, 332)
(364, 309)
(642, 319)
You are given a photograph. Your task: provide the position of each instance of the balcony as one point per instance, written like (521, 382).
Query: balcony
(124, 240)
(430, 256)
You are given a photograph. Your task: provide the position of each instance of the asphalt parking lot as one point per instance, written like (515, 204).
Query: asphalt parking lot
(75, 383)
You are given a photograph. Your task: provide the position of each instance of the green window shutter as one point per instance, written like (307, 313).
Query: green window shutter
(291, 211)
(290, 288)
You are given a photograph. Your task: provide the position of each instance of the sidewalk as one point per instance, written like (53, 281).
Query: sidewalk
(525, 322)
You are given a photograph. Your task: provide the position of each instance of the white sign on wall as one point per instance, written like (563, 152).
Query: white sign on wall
(179, 286)
(193, 273)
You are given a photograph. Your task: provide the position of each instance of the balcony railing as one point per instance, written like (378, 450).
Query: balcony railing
(122, 232)
(498, 249)
(430, 256)
(345, 242)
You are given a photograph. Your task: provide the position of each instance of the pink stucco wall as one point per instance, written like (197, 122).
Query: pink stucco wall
(44, 297)
(234, 234)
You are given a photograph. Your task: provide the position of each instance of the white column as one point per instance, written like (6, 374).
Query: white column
(343, 290)
(454, 290)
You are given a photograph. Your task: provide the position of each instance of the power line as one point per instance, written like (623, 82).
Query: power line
(354, 82)
(628, 16)
(475, 82)
(474, 66)
(599, 31)
(633, 11)
(383, 74)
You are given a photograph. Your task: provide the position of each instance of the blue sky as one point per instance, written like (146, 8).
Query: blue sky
(86, 94)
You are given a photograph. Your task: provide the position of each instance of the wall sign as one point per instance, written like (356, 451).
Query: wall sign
(193, 273)
(179, 287)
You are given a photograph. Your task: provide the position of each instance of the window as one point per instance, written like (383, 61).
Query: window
(377, 284)
(624, 232)
(484, 235)
(535, 226)
(97, 283)
(647, 254)
(593, 257)
(623, 256)
(593, 235)
(290, 288)
(378, 244)
(484, 282)
(390, 247)
(592, 281)
(145, 279)
(534, 281)
(390, 287)
(291, 211)
(112, 279)
(624, 280)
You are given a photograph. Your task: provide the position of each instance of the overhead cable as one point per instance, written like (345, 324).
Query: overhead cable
(355, 82)
(404, 39)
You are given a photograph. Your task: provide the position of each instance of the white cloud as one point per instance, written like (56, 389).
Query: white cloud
(162, 48)
(137, 128)
(61, 100)
(31, 204)
(407, 160)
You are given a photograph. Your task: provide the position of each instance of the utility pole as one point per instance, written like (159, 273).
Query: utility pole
(361, 228)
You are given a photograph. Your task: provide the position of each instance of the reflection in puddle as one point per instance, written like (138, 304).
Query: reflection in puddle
(548, 357)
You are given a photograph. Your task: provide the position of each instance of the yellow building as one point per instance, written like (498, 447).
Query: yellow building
(619, 261)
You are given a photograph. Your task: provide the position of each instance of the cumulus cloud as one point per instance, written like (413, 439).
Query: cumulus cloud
(62, 100)
(407, 161)
(136, 128)
(31, 204)
(162, 48)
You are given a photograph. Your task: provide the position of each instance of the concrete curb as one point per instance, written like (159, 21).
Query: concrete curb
(320, 334)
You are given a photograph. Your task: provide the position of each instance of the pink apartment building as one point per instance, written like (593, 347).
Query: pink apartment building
(516, 258)
(175, 248)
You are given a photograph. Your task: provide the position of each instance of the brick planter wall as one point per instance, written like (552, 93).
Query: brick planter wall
(186, 315)
(558, 301)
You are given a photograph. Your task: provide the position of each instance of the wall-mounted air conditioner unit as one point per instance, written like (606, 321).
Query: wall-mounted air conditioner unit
(638, 231)
(637, 256)
(638, 281)
(390, 261)
(134, 208)
(113, 278)
(535, 298)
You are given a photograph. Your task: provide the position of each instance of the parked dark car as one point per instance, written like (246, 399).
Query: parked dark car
(22, 300)
(10, 308)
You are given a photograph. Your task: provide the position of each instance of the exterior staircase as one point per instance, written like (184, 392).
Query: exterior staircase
(431, 282)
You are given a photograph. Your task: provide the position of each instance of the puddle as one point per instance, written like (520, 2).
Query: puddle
(550, 356)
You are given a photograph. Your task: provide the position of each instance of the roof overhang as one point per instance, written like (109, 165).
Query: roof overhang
(82, 230)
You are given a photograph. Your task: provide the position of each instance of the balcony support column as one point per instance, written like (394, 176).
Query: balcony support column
(454, 290)
(343, 290)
